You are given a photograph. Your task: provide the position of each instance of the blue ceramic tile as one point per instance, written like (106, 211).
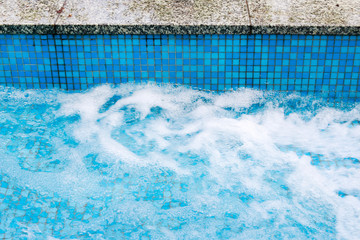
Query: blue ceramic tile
(221, 62)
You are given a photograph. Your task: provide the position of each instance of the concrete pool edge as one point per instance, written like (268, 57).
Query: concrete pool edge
(176, 29)
(303, 17)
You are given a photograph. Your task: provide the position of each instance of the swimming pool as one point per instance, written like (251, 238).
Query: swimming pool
(143, 161)
(101, 140)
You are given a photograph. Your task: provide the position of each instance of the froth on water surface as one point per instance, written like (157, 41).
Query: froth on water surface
(161, 162)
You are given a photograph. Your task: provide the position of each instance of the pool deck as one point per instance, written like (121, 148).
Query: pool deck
(330, 17)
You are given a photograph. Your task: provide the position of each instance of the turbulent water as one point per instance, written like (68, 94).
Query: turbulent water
(160, 162)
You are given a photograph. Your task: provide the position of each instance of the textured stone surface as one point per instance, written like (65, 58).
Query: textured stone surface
(155, 12)
(151, 29)
(307, 30)
(180, 17)
(27, 29)
(305, 12)
(29, 11)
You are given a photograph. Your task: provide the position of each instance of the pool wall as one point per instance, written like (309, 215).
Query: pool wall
(311, 47)
(309, 64)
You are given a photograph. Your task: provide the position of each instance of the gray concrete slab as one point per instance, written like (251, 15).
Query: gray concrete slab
(180, 17)
(29, 12)
(305, 12)
(155, 12)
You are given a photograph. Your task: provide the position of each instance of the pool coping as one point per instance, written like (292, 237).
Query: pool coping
(43, 29)
(300, 17)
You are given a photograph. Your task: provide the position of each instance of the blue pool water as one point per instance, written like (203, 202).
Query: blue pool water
(161, 162)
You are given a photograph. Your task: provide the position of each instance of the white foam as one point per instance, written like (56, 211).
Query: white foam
(223, 146)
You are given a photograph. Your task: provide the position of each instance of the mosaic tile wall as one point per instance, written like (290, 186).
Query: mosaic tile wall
(315, 65)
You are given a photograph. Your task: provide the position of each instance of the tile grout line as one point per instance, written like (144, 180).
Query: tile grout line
(249, 16)
(61, 44)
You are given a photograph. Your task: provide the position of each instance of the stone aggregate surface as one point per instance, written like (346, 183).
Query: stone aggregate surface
(180, 17)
